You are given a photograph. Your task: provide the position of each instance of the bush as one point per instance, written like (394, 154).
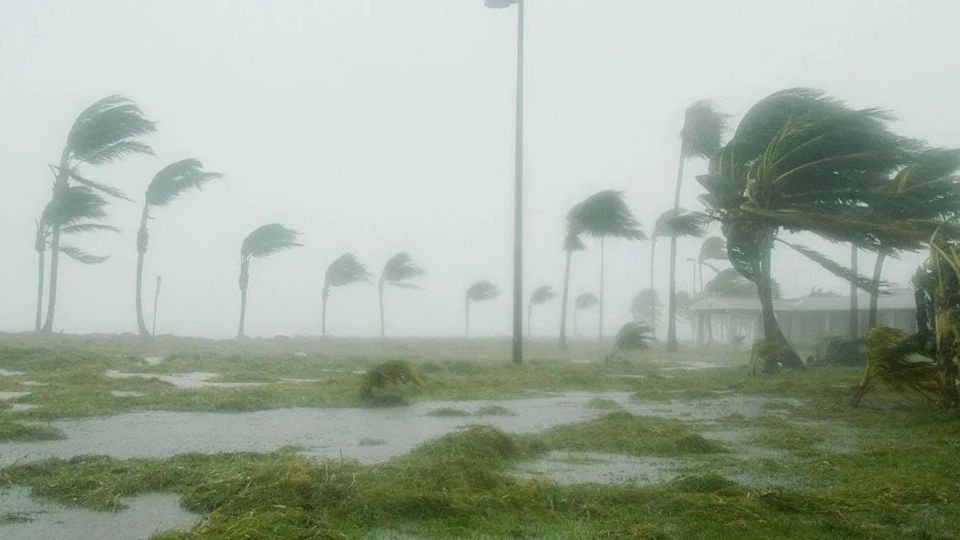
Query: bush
(390, 383)
(839, 351)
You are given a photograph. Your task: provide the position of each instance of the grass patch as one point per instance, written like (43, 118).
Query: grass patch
(11, 431)
(494, 410)
(625, 433)
(448, 412)
(603, 404)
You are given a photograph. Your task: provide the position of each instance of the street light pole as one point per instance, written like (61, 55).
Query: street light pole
(518, 186)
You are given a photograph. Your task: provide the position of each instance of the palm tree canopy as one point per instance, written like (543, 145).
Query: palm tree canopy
(604, 213)
(542, 295)
(927, 187)
(572, 242)
(108, 130)
(713, 248)
(645, 305)
(346, 270)
(176, 178)
(267, 240)
(72, 206)
(703, 128)
(729, 283)
(586, 301)
(482, 290)
(680, 222)
(634, 336)
(401, 268)
(683, 301)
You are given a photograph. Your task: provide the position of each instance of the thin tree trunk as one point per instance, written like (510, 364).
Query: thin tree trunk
(54, 270)
(156, 302)
(323, 311)
(383, 330)
(142, 239)
(563, 306)
(875, 289)
(41, 266)
(244, 281)
(600, 315)
(854, 330)
(772, 334)
(653, 290)
(672, 345)
(517, 353)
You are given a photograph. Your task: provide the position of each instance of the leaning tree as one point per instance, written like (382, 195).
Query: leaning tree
(480, 291)
(674, 223)
(263, 242)
(712, 249)
(168, 184)
(341, 272)
(397, 272)
(541, 295)
(105, 132)
(802, 161)
(571, 244)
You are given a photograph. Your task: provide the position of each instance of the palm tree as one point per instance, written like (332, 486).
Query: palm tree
(927, 187)
(802, 161)
(104, 132)
(263, 242)
(712, 249)
(674, 223)
(165, 187)
(603, 215)
(571, 243)
(480, 291)
(74, 211)
(341, 272)
(397, 272)
(584, 301)
(645, 307)
(541, 295)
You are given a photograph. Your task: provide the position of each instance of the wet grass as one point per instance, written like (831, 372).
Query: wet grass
(20, 432)
(625, 433)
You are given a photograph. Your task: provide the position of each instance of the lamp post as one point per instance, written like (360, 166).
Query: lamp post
(518, 187)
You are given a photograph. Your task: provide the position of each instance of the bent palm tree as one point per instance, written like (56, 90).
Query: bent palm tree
(73, 211)
(802, 161)
(645, 307)
(166, 186)
(104, 132)
(480, 291)
(712, 249)
(263, 242)
(541, 295)
(341, 272)
(603, 215)
(571, 243)
(674, 223)
(397, 272)
(584, 301)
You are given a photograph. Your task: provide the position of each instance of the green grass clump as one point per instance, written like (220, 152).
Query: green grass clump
(625, 433)
(11, 431)
(390, 383)
(494, 410)
(448, 412)
(602, 404)
(703, 483)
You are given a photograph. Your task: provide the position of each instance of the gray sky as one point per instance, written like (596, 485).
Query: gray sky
(375, 126)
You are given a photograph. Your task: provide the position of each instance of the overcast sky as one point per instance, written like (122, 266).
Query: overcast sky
(375, 126)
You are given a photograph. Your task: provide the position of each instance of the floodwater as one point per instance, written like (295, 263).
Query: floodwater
(198, 379)
(338, 432)
(23, 518)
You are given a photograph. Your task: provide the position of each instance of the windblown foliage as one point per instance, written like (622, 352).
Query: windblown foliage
(482, 290)
(541, 295)
(267, 240)
(703, 128)
(176, 178)
(603, 214)
(680, 222)
(634, 336)
(586, 301)
(399, 269)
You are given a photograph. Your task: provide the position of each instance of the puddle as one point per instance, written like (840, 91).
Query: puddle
(127, 393)
(17, 407)
(153, 360)
(298, 381)
(7, 396)
(33, 383)
(27, 519)
(198, 379)
(5, 373)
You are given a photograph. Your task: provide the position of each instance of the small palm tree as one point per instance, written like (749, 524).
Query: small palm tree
(480, 291)
(76, 210)
(166, 186)
(571, 244)
(341, 272)
(263, 242)
(645, 307)
(634, 336)
(541, 295)
(674, 223)
(584, 301)
(603, 215)
(712, 249)
(398, 272)
(105, 132)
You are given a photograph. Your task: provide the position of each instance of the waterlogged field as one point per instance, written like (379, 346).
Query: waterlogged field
(113, 437)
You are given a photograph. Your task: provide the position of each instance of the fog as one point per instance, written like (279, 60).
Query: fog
(378, 126)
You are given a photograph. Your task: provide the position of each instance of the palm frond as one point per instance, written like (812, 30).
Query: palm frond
(586, 301)
(73, 205)
(108, 130)
(109, 190)
(81, 255)
(713, 248)
(542, 295)
(346, 269)
(730, 283)
(267, 240)
(862, 282)
(482, 290)
(680, 222)
(400, 268)
(89, 227)
(634, 336)
(646, 306)
(176, 178)
(572, 242)
(703, 129)
(604, 214)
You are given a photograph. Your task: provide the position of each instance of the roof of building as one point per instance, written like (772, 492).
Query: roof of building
(894, 299)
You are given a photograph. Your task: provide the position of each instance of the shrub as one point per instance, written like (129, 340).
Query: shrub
(389, 383)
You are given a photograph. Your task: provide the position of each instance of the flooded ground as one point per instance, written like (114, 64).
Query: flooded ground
(25, 518)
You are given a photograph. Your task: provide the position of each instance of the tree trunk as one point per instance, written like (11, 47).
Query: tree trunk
(60, 186)
(156, 302)
(600, 315)
(323, 310)
(653, 290)
(854, 330)
(244, 281)
(946, 346)
(772, 334)
(142, 239)
(41, 264)
(875, 289)
(517, 352)
(672, 345)
(383, 331)
(563, 306)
